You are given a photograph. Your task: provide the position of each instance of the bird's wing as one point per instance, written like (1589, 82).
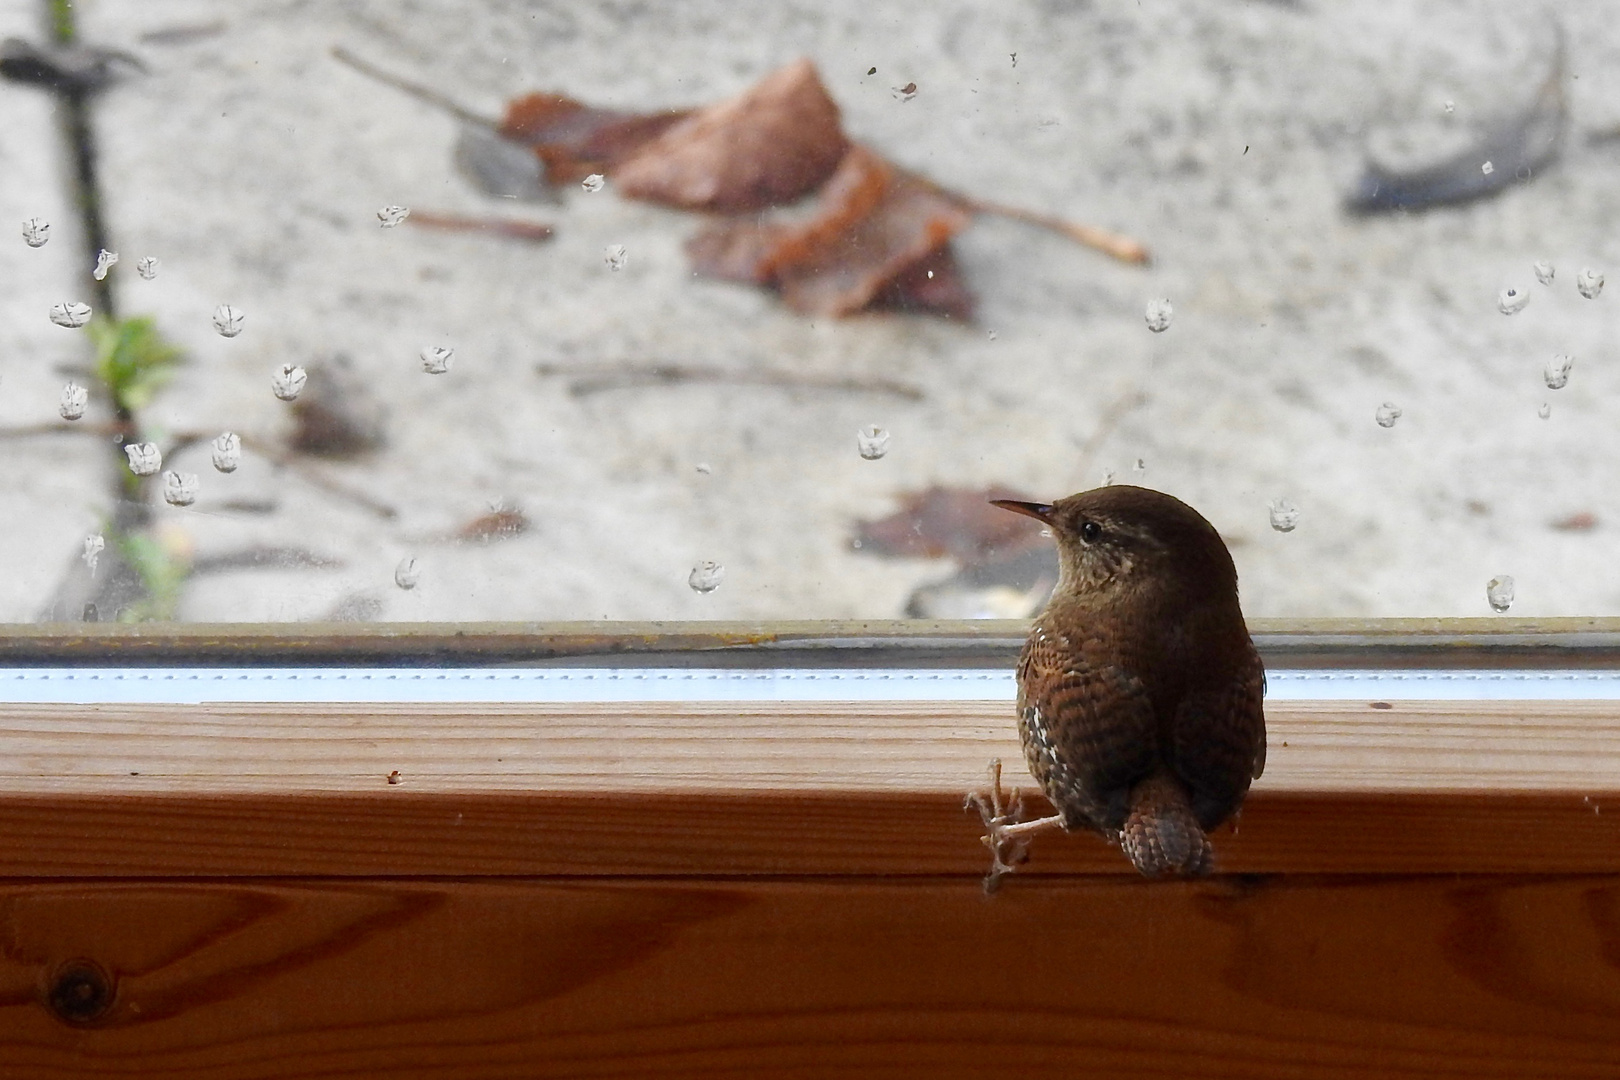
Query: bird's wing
(1218, 741)
(1089, 732)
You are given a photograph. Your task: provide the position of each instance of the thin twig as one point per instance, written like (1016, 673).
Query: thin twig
(597, 378)
(1110, 419)
(416, 90)
(511, 228)
(1116, 245)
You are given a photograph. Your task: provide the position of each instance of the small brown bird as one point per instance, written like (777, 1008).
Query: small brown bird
(1139, 689)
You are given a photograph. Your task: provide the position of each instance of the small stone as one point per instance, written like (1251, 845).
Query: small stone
(1557, 371)
(228, 320)
(1387, 414)
(74, 400)
(93, 547)
(407, 573)
(69, 314)
(390, 216)
(36, 231)
(287, 381)
(593, 183)
(144, 458)
(1284, 515)
(147, 266)
(706, 576)
(1158, 315)
(1544, 271)
(872, 441)
(616, 257)
(227, 452)
(1590, 283)
(179, 489)
(436, 359)
(1499, 591)
(104, 262)
(1511, 300)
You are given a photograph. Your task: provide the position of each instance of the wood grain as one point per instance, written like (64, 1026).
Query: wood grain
(1482, 977)
(785, 788)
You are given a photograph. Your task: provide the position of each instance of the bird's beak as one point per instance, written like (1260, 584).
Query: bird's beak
(1038, 511)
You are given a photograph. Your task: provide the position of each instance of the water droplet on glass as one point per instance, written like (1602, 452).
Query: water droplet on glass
(228, 320)
(1544, 271)
(1139, 467)
(872, 441)
(1499, 591)
(147, 266)
(407, 573)
(70, 315)
(1284, 515)
(93, 547)
(179, 489)
(706, 576)
(1590, 283)
(104, 262)
(1451, 106)
(1387, 414)
(1107, 477)
(615, 256)
(1487, 168)
(36, 231)
(1557, 373)
(991, 334)
(592, 183)
(390, 216)
(1158, 315)
(144, 458)
(74, 400)
(227, 451)
(705, 468)
(288, 381)
(906, 92)
(1545, 410)
(1511, 300)
(436, 359)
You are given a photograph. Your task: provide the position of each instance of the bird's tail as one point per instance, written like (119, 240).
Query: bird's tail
(1161, 836)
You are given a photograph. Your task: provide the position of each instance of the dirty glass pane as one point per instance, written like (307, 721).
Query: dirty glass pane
(392, 310)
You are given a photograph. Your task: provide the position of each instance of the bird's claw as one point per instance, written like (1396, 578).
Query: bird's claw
(998, 812)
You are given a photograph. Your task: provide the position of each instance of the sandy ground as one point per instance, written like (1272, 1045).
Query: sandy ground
(1221, 132)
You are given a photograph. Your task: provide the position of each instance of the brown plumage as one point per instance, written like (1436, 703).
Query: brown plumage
(1139, 689)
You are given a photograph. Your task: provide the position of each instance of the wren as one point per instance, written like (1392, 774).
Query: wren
(1139, 688)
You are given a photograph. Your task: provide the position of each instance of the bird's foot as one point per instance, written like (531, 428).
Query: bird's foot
(1005, 830)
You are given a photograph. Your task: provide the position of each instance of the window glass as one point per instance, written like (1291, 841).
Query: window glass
(499, 310)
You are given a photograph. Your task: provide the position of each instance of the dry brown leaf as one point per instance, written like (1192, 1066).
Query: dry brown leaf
(574, 140)
(875, 234)
(946, 521)
(771, 145)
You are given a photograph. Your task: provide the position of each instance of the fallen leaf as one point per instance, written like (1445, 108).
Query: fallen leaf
(574, 140)
(875, 232)
(499, 524)
(944, 521)
(1580, 521)
(770, 145)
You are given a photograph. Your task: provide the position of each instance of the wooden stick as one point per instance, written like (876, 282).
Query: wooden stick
(416, 90)
(597, 378)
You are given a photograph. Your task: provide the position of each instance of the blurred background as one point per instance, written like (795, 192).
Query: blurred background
(565, 350)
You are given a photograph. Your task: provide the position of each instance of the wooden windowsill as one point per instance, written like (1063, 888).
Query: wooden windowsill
(717, 789)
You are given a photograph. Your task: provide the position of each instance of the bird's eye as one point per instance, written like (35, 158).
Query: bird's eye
(1091, 532)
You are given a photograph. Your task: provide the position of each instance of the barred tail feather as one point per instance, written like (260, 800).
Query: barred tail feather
(1161, 836)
